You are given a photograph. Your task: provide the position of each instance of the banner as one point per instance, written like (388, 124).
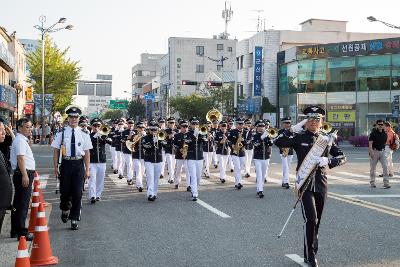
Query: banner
(342, 116)
(29, 94)
(48, 103)
(257, 70)
(28, 109)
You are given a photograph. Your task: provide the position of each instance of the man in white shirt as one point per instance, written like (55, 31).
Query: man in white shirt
(74, 145)
(23, 164)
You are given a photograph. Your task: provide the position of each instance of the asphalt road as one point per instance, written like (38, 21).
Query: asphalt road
(359, 225)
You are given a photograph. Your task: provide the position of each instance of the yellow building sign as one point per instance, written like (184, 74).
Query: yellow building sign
(341, 116)
(29, 94)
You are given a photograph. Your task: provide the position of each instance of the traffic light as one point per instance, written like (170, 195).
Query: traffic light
(214, 84)
(186, 82)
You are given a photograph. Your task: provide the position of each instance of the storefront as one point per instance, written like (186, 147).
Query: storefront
(8, 102)
(355, 82)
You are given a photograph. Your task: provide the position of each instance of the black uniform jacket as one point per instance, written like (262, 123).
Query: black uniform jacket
(262, 147)
(124, 138)
(248, 138)
(117, 140)
(302, 143)
(233, 136)
(195, 149)
(169, 147)
(287, 133)
(98, 152)
(152, 150)
(139, 152)
(208, 146)
(179, 140)
(112, 135)
(221, 149)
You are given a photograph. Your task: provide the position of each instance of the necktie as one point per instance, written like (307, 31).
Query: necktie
(73, 153)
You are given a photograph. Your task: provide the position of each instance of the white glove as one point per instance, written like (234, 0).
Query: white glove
(299, 126)
(323, 161)
(96, 135)
(196, 132)
(264, 135)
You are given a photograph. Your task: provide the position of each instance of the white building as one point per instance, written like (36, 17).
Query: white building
(30, 45)
(93, 95)
(145, 71)
(196, 60)
(313, 31)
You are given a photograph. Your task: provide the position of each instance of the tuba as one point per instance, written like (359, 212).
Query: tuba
(214, 114)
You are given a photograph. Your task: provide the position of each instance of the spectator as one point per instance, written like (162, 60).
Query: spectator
(392, 144)
(6, 144)
(5, 182)
(23, 164)
(376, 150)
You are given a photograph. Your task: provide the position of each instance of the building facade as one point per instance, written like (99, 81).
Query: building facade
(313, 31)
(355, 82)
(93, 95)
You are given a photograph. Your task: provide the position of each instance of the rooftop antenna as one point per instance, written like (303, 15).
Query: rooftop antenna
(227, 16)
(259, 20)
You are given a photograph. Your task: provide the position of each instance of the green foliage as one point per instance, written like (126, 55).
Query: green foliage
(60, 74)
(266, 106)
(112, 114)
(223, 98)
(193, 105)
(136, 108)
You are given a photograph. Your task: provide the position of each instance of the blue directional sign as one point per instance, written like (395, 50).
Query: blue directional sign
(257, 70)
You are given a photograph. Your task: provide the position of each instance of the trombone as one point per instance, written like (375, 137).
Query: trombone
(161, 135)
(203, 130)
(104, 129)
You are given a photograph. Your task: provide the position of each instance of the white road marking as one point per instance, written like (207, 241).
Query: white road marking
(43, 180)
(361, 158)
(373, 196)
(297, 259)
(212, 209)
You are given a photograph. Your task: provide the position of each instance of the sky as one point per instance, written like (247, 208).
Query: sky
(109, 36)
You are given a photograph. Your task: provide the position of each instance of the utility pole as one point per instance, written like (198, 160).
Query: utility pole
(259, 20)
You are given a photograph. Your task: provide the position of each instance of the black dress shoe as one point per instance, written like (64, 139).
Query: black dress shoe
(170, 181)
(194, 198)
(247, 175)
(154, 198)
(260, 194)
(231, 170)
(74, 225)
(223, 181)
(140, 189)
(98, 198)
(286, 185)
(176, 186)
(115, 171)
(215, 166)
(189, 189)
(265, 181)
(313, 263)
(93, 200)
(120, 176)
(239, 186)
(130, 182)
(150, 198)
(161, 176)
(64, 216)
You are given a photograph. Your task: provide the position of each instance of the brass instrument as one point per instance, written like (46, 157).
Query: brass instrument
(214, 114)
(161, 135)
(238, 145)
(326, 127)
(104, 129)
(203, 130)
(272, 132)
(285, 151)
(131, 144)
(184, 150)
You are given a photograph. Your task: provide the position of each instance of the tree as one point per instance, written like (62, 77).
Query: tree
(112, 114)
(60, 74)
(266, 106)
(136, 108)
(193, 105)
(223, 98)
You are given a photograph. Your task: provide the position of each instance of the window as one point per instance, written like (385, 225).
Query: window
(230, 49)
(200, 50)
(241, 62)
(374, 73)
(341, 75)
(200, 68)
(251, 61)
(283, 85)
(219, 67)
(139, 73)
(220, 47)
(237, 62)
(292, 77)
(312, 75)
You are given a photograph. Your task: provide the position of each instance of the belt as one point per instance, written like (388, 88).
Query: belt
(378, 149)
(72, 158)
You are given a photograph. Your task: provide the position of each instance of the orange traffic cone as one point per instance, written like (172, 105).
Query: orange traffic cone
(22, 259)
(41, 250)
(34, 210)
(36, 182)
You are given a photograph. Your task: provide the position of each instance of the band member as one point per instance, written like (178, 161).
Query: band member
(315, 194)
(181, 150)
(112, 146)
(248, 150)
(214, 129)
(230, 127)
(169, 153)
(208, 150)
(74, 145)
(118, 148)
(97, 160)
(152, 160)
(161, 126)
(222, 149)
(237, 143)
(83, 123)
(195, 156)
(286, 153)
(138, 155)
(127, 134)
(262, 153)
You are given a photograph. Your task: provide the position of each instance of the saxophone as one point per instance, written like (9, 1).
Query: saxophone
(285, 151)
(238, 145)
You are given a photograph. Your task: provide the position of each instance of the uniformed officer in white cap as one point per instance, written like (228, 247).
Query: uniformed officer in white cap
(74, 145)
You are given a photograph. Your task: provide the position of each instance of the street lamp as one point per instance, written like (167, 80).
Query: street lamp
(373, 19)
(43, 30)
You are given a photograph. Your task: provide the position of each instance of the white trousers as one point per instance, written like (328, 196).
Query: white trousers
(261, 167)
(128, 165)
(238, 164)
(96, 180)
(163, 162)
(207, 161)
(389, 156)
(230, 162)
(138, 166)
(215, 157)
(249, 158)
(113, 157)
(181, 163)
(195, 167)
(120, 162)
(222, 161)
(170, 159)
(153, 171)
(285, 168)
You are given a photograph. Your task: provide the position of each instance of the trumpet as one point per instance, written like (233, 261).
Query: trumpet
(203, 130)
(104, 129)
(214, 114)
(272, 132)
(326, 127)
(161, 135)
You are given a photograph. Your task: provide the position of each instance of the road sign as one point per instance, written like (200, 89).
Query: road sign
(149, 97)
(118, 104)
